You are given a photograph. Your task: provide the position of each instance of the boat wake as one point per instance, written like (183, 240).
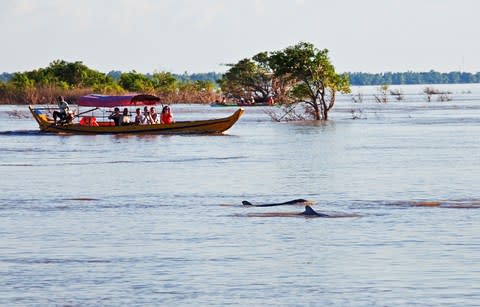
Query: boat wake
(20, 132)
(451, 204)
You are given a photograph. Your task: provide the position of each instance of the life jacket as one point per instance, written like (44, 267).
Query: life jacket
(88, 121)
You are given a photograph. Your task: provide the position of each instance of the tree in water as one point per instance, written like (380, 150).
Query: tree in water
(314, 80)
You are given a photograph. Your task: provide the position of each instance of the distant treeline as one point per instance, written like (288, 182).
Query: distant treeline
(360, 78)
(356, 78)
(409, 77)
(5, 77)
(185, 77)
(73, 79)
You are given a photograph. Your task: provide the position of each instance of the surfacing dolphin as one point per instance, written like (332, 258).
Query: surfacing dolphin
(310, 212)
(298, 201)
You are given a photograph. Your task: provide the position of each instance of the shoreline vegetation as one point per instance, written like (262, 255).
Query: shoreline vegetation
(74, 79)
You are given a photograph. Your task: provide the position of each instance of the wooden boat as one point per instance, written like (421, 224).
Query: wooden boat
(90, 125)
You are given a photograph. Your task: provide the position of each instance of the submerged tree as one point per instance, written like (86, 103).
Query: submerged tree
(382, 96)
(297, 74)
(315, 81)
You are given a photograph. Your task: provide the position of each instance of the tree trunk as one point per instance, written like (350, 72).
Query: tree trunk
(324, 106)
(325, 114)
(317, 112)
(316, 108)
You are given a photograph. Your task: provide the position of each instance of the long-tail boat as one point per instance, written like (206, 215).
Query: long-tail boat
(85, 122)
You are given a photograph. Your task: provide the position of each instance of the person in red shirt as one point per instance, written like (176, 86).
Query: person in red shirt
(166, 117)
(270, 101)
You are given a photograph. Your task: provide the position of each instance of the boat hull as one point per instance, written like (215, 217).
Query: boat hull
(210, 126)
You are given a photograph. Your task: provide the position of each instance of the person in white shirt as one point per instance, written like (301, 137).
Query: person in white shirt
(125, 117)
(146, 119)
(64, 109)
(155, 116)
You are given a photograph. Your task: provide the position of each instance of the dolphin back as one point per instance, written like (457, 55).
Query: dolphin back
(290, 202)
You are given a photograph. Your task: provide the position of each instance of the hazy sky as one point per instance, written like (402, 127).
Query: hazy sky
(201, 35)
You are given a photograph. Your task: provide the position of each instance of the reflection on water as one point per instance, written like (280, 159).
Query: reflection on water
(158, 220)
(454, 204)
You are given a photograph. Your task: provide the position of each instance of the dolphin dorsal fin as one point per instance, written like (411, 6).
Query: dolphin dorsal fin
(309, 211)
(247, 203)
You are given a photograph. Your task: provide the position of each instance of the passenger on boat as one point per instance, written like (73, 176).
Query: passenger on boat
(116, 116)
(166, 117)
(147, 118)
(125, 117)
(270, 101)
(138, 117)
(155, 116)
(64, 110)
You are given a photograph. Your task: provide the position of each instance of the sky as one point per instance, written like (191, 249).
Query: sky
(197, 36)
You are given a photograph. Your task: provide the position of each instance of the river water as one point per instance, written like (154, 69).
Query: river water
(158, 220)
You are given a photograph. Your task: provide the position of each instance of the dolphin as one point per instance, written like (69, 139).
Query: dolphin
(290, 202)
(310, 212)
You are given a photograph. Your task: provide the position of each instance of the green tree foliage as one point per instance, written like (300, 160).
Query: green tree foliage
(209, 76)
(22, 81)
(108, 88)
(164, 82)
(62, 74)
(249, 77)
(136, 82)
(315, 79)
(73, 74)
(8, 91)
(204, 86)
(196, 86)
(301, 72)
(59, 78)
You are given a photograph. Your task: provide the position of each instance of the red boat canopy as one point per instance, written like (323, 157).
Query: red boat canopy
(103, 101)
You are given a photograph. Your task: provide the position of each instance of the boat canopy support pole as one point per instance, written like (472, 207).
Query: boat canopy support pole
(91, 110)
